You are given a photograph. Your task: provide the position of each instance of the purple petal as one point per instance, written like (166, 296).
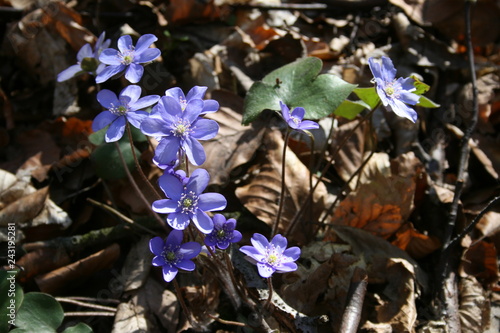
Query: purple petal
(209, 202)
(68, 73)
(102, 120)
(219, 220)
(186, 265)
(298, 112)
(144, 102)
(198, 181)
(110, 57)
(388, 72)
(292, 253)
(308, 124)
(155, 127)
(197, 92)
(131, 93)
(109, 72)
(285, 111)
(193, 110)
(125, 43)
(158, 261)
(403, 110)
(178, 221)
(260, 242)
(203, 222)
(165, 206)
(147, 55)
(407, 84)
(156, 245)
(206, 129)
(145, 42)
(174, 238)
(171, 186)
(209, 106)
(190, 250)
(194, 151)
(107, 99)
(224, 244)
(176, 93)
(280, 242)
(135, 118)
(253, 253)
(85, 52)
(115, 130)
(236, 236)
(134, 73)
(172, 107)
(286, 267)
(169, 272)
(167, 149)
(265, 270)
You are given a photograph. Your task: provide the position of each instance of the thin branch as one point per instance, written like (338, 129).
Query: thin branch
(85, 304)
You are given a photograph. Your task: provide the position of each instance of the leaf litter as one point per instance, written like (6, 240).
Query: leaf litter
(383, 201)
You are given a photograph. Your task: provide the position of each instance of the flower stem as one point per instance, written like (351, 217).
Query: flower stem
(181, 300)
(270, 287)
(137, 190)
(137, 164)
(283, 187)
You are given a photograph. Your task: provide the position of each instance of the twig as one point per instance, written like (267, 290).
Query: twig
(85, 304)
(138, 191)
(356, 296)
(464, 153)
(283, 185)
(137, 164)
(227, 322)
(89, 314)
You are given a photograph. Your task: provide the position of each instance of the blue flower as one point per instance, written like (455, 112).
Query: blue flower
(125, 107)
(172, 255)
(128, 58)
(295, 118)
(87, 60)
(187, 202)
(271, 256)
(178, 130)
(394, 93)
(223, 233)
(197, 92)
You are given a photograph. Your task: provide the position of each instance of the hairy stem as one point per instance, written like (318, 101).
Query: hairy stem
(283, 185)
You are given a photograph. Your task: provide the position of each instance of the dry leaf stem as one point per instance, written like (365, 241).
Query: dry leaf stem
(137, 164)
(137, 189)
(448, 261)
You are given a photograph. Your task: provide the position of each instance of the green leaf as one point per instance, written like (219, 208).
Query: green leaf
(39, 313)
(427, 103)
(422, 88)
(350, 109)
(369, 96)
(97, 138)
(79, 328)
(106, 160)
(297, 84)
(12, 297)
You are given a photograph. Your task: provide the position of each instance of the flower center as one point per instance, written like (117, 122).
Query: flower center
(188, 203)
(389, 90)
(119, 110)
(127, 57)
(181, 128)
(89, 64)
(273, 257)
(171, 254)
(296, 120)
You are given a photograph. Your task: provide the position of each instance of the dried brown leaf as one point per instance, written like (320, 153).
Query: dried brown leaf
(262, 193)
(474, 306)
(417, 244)
(58, 280)
(234, 145)
(24, 209)
(136, 268)
(480, 261)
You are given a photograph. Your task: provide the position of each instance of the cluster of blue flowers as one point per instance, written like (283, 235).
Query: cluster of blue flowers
(176, 121)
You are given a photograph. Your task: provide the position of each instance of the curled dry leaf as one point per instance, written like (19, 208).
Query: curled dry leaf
(27, 207)
(474, 306)
(480, 261)
(58, 280)
(235, 144)
(417, 244)
(262, 193)
(149, 305)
